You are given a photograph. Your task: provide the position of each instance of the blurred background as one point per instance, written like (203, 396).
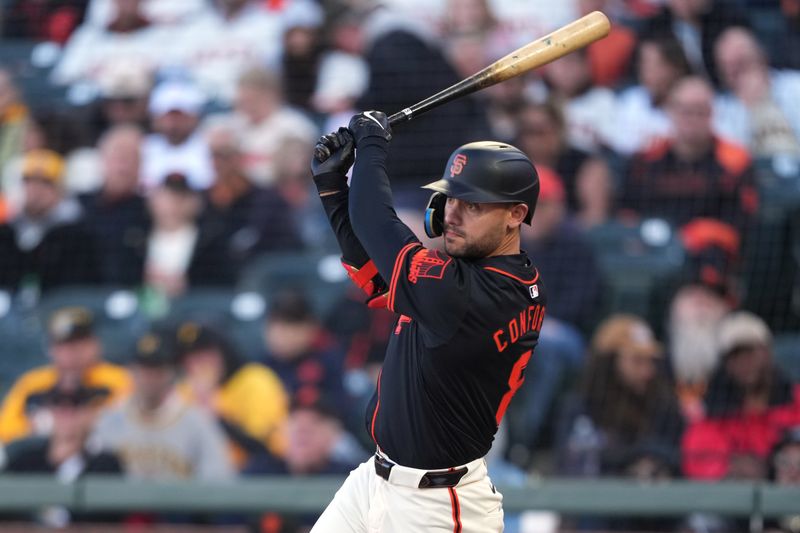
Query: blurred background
(172, 307)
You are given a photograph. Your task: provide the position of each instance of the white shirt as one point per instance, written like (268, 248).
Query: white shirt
(261, 142)
(732, 118)
(169, 253)
(192, 158)
(590, 119)
(637, 122)
(216, 51)
(101, 12)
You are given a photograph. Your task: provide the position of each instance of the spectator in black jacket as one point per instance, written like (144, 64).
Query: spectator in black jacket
(46, 243)
(116, 214)
(180, 251)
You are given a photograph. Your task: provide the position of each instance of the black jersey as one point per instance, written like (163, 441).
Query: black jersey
(466, 331)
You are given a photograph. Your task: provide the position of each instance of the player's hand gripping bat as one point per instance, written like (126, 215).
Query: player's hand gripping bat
(564, 40)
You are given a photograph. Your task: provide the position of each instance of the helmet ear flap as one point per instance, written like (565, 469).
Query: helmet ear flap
(434, 215)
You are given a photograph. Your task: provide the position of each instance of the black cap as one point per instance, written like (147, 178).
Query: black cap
(177, 182)
(194, 336)
(69, 324)
(155, 349)
(313, 399)
(291, 306)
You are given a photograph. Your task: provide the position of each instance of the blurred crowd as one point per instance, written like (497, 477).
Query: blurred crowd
(162, 148)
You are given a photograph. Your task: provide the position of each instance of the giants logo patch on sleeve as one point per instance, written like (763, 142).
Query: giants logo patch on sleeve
(427, 264)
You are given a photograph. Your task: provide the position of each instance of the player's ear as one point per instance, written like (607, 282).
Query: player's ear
(516, 215)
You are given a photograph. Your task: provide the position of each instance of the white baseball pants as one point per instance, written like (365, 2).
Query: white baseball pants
(367, 503)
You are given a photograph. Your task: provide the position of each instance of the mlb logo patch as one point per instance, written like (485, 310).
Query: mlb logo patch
(534, 291)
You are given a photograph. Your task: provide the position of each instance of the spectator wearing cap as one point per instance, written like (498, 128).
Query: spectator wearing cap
(749, 403)
(264, 122)
(305, 356)
(124, 90)
(759, 109)
(254, 219)
(180, 251)
(129, 37)
(694, 173)
(176, 145)
(248, 399)
(116, 215)
(65, 453)
(76, 356)
(46, 244)
(626, 399)
(156, 433)
(223, 42)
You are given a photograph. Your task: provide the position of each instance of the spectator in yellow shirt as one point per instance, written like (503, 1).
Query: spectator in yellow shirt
(248, 399)
(76, 357)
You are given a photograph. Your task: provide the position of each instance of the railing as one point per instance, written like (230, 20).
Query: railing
(309, 495)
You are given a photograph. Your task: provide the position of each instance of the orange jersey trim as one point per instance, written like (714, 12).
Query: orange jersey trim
(456, 508)
(375, 412)
(398, 263)
(512, 276)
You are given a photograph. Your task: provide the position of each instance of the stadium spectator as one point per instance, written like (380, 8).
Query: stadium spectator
(641, 115)
(406, 65)
(14, 116)
(65, 453)
(304, 355)
(223, 42)
(695, 173)
(610, 62)
(626, 400)
(264, 122)
(760, 108)
(46, 244)
(694, 316)
(247, 399)
(302, 49)
(124, 89)
(77, 362)
(101, 12)
(542, 135)
(475, 18)
(341, 81)
(784, 470)
(749, 404)
(157, 434)
(116, 215)
(176, 145)
(565, 259)
(180, 251)
(696, 24)
(129, 37)
(49, 20)
(588, 110)
(253, 219)
(595, 193)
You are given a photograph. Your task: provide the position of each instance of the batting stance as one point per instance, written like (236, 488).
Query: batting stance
(468, 322)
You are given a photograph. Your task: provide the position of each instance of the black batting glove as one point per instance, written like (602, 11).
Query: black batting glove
(370, 124)
(333, 156)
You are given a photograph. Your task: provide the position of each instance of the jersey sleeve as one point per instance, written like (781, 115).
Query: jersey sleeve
(430, 287)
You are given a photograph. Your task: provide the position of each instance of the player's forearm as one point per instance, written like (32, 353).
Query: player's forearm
(372, 215)
(336, 207)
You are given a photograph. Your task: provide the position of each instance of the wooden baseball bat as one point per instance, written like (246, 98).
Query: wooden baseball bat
(568, 38)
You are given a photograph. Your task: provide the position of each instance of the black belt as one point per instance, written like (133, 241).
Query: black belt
(430, 480)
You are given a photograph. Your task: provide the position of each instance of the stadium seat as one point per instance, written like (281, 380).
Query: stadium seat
(639, 262)
(321, 276)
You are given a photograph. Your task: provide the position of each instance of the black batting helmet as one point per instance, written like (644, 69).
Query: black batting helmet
(483, 172)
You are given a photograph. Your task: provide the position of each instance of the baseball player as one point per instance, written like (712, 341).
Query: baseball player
(468, 321)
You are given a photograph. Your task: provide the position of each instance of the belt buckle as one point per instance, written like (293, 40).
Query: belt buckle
(383, 467)
(442, 479)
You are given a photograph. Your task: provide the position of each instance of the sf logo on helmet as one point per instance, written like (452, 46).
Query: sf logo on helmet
(458, 165)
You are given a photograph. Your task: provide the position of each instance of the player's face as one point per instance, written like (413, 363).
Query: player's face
(473, 230)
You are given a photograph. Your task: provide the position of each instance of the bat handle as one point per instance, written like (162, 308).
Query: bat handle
(321, 152)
